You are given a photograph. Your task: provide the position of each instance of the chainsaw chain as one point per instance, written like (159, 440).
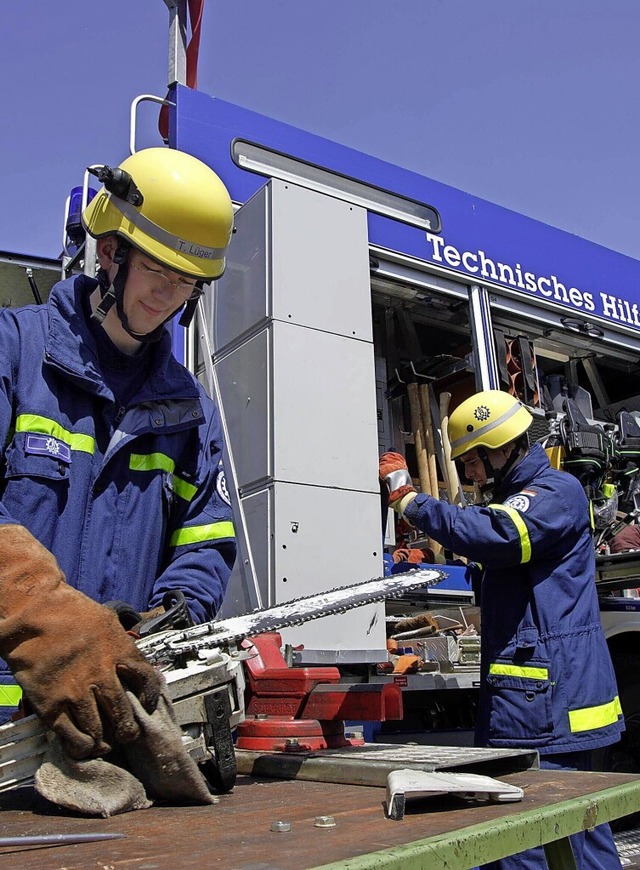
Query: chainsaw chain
(173, 645)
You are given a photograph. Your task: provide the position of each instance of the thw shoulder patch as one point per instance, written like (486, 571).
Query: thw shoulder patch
(48, 445)
(520, 502)
(221, 486)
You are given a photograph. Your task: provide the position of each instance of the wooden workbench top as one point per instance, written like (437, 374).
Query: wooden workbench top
(235, 833)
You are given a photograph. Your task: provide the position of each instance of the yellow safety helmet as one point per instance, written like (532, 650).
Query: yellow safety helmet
(489, 419)
(168, 204)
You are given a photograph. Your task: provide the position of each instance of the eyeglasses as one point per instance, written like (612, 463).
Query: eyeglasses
(154, 279)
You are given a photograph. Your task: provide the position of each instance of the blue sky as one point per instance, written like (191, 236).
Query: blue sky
(532, 105)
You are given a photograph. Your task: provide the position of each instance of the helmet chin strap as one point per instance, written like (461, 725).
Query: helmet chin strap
(112, 292)
(490, 474)
(495, 476)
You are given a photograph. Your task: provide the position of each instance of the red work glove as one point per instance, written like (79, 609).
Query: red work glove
(70, 655)
(412, 555)
(394, 472)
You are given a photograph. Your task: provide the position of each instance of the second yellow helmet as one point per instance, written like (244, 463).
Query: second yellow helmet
(489, 419)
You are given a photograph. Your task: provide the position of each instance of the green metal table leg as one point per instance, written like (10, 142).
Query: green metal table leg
(559, 855)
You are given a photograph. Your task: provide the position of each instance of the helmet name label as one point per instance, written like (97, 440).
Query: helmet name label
(197, 250)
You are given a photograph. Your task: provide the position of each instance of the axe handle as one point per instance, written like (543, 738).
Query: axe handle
(421, 450)
(453, 485)
(427, 424)
(418, 438)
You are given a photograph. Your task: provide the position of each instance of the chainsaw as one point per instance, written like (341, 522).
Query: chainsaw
(203, 667)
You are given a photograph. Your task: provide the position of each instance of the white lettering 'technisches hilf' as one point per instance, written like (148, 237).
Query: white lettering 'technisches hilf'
(479, 264)
(619, 309)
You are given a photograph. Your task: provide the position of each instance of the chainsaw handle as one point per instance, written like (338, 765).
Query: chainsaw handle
(176, 615)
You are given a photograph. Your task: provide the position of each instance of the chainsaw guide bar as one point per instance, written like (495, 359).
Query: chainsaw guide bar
(172, 645)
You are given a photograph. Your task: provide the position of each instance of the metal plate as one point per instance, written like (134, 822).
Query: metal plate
(371, 764)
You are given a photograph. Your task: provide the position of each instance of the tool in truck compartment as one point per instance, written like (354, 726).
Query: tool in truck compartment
(427, 470)
(427, 483)
(590, 451)
(521, 366)
(627, 443)
(603, 455)
(517, 369)
(430, 441)
(203, 667)
(454, 490)
(415, 375)
(413, 366)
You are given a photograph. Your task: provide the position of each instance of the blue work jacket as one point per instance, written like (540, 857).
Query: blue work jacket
(130, 509)
(547, 680)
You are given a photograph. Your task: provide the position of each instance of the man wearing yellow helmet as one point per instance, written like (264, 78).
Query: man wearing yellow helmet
(547, 680)
(113, 489)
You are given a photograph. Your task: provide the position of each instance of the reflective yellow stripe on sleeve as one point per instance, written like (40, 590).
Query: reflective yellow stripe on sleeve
(162, 462)
(10, 695)
(517, 671)
(44, 426)
(521, 528)
(589, 718)
(197, 534)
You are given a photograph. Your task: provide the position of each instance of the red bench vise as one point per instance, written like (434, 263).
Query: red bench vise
(294, 709)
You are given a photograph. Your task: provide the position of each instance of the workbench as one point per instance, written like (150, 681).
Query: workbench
(235, 834)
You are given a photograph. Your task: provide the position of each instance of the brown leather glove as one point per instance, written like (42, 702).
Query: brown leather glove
(70, 655)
